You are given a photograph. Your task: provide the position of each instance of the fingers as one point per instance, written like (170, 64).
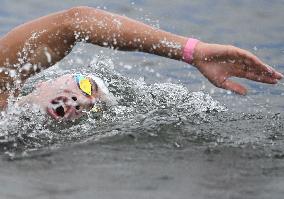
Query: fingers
(245, 60)
(269, 79)
(256, 71)
(227, 61)
(275, 74)
(253, 63)
(233, 86)
(261, 78)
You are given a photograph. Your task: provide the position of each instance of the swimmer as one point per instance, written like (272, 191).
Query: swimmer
(46, 40)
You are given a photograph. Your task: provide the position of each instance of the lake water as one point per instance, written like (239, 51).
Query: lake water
(173, 134)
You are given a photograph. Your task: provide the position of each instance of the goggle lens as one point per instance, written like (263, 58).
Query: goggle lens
(84, 84)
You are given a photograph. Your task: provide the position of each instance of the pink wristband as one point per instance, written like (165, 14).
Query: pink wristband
(188, 50)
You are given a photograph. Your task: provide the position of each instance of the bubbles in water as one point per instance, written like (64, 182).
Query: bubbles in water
(23, 127)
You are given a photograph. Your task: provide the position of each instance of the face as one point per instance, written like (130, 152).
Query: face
(63, 98)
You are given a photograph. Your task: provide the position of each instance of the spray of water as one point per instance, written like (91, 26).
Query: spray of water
(140, 108)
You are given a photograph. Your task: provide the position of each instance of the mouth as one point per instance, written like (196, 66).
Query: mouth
(58, 109)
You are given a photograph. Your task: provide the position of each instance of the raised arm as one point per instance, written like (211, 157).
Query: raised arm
(47, 40)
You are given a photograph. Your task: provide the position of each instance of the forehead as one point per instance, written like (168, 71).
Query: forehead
(65, 82)
(65, 77)
(68, 82)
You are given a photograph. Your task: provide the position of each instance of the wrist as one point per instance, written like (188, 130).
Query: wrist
(188, 52)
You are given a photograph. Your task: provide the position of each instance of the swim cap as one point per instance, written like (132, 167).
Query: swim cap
(103, 92)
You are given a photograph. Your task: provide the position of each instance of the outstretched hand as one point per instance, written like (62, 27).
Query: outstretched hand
(220, 62)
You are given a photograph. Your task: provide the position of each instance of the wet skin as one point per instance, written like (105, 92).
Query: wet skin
(49, 39)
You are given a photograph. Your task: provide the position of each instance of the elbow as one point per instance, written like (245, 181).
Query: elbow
(73, 19)
(76, 16)
(79, 11)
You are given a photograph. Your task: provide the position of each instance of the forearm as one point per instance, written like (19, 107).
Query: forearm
(119, 32)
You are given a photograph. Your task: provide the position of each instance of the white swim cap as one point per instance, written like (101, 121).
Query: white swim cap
(103, 92)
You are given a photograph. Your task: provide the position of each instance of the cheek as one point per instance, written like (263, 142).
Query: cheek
(39, 85)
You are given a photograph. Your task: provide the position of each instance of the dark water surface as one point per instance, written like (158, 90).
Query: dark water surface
(161, 141)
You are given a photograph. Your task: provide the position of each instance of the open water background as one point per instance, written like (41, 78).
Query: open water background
(180, 146)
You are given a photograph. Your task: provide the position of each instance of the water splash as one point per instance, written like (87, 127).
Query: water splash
(141, 108)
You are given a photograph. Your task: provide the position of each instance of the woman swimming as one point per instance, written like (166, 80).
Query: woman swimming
(40, 43)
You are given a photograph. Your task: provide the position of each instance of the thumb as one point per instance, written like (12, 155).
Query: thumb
(233, 86)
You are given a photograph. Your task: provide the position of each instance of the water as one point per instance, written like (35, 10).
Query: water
(172, 134)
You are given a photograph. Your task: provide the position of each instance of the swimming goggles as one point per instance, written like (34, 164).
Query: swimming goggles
(85, 84)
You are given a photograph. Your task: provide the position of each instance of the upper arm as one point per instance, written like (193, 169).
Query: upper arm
(41, 42)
